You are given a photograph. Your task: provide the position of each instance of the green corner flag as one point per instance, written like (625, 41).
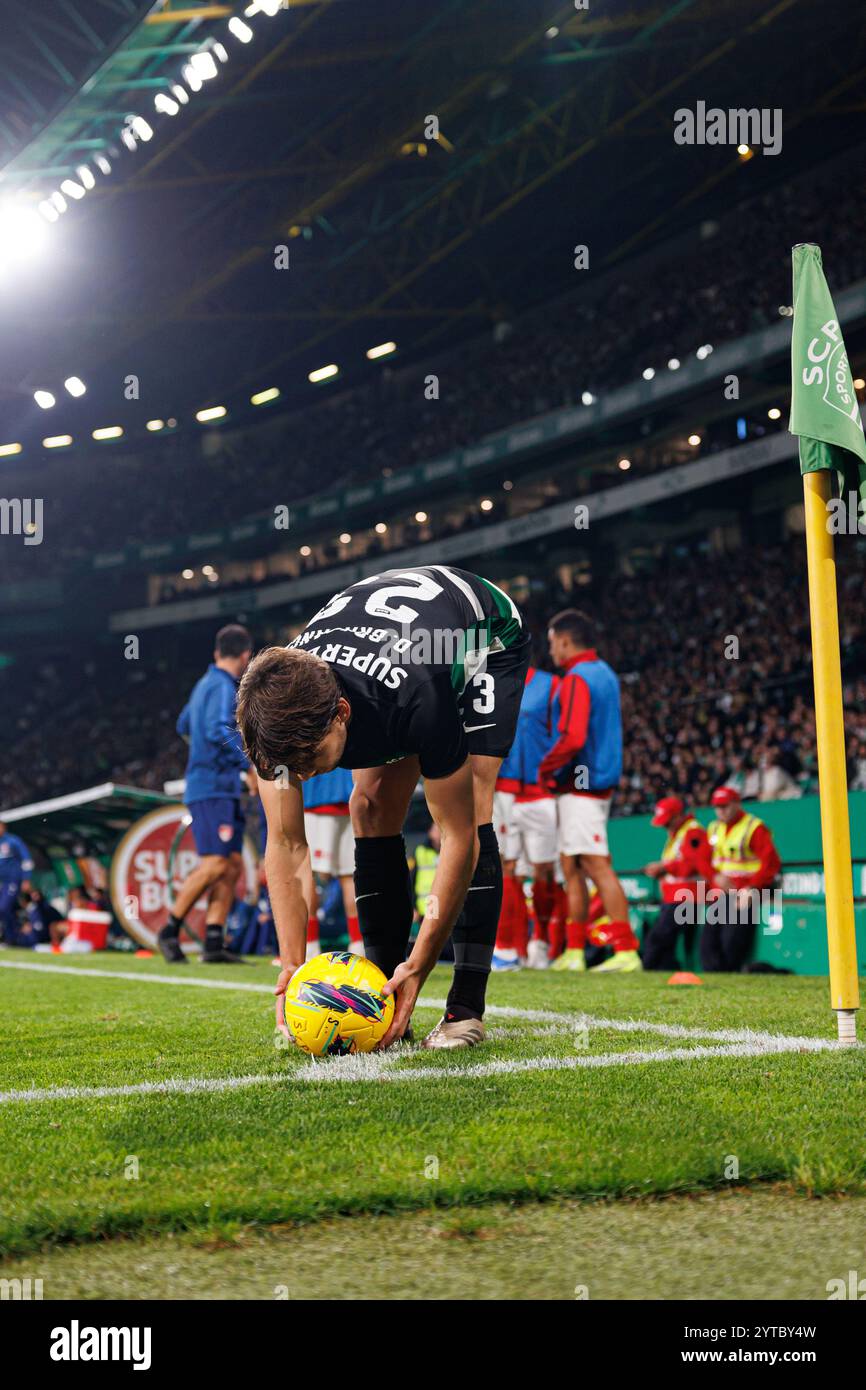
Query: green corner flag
(824, 408)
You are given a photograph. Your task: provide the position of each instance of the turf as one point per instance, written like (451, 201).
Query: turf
(301, 1143)
(739, 1244)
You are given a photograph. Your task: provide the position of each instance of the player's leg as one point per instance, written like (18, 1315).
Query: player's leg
(207, 872)
(383, 885)
(220, 903)
(512, 912)
(490, 705)
(344, 862)
(539, 825)
(618, 933)
(576, 918)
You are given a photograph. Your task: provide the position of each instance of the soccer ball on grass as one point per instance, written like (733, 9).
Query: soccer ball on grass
(334, 1005)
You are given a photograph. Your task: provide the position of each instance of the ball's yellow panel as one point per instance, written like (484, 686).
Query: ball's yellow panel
(334, 1005)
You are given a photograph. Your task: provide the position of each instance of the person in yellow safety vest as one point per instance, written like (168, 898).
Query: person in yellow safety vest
(426, 861)
(744, 857)
(685, 862)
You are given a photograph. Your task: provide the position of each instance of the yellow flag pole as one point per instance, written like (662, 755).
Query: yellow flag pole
(832, 771)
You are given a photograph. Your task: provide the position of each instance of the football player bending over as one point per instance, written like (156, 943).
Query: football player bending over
(406, 673)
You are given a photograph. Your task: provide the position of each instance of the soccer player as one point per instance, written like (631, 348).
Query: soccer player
(328, 827)
(415, 671)
(214, 770)
(16, 864)
(745, 861)
(686, 861)
(583, 768)
(526, 826)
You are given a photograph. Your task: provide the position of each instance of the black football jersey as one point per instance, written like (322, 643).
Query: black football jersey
(403, 645)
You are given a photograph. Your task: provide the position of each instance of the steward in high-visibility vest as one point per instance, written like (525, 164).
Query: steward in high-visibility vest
(744, 855)
(684, 863)
(426, 863)
(744, 859)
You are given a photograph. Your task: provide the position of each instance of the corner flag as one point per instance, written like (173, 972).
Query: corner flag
(826, 416)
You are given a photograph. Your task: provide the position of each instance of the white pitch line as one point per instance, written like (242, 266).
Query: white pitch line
(376, 1067)
(567, 1021)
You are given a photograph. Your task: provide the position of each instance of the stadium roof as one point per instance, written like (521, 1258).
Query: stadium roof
(95, 818)
(316, 135)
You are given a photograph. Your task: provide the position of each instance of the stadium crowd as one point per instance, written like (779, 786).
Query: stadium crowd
(713, 653)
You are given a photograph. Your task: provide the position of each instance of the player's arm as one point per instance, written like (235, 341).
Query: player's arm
(452, 805)
(290, 876)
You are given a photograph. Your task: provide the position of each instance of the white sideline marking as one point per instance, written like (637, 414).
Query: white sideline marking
(568, 1021)
(376, 1067)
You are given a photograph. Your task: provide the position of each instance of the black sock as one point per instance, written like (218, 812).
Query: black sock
(213, 936)
(474, 933)
(383, 892)
(171, 930)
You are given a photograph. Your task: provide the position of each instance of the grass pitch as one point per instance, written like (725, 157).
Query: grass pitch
(163, 1113)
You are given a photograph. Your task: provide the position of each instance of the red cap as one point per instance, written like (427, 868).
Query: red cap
(724, 796)
(666, 810)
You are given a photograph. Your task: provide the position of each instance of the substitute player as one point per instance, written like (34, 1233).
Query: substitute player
(16, 866)
(328, 827)
(583, 768)
(526, 828)
(415, 671)
(214, 770)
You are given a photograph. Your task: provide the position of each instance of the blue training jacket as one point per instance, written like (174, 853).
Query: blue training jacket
(16, 860)
(216, 755)
(328, 788)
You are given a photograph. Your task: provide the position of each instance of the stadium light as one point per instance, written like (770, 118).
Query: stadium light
(264, 397)
(180, 93)
(59, 201)
(72, 189)
(345, 538)
(128, 138)
(154, 425)
(44, 399)
(305, 551)
(674, 364)
(694, 440)
(383, 350)
(204, 65)
(7, 449)
(324, 373)
(187, 574)
(102, 164)
(268, 7)
(22, 232)
(48, 211)
(108, 432)
(57, 441)
(381, 527)
(239, 29)
(140, 129)
(208, 570)
(166, 104)
(75, 386)
(704, 351)
(85, 176)
(486, 504)
(774, 413)
(213, 412)
(648, 373)
(624, 464)
(552, 32)
(859, 383)
(192, 78)
(587, 398)
(420, 517)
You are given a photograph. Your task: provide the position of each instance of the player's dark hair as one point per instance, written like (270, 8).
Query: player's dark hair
(576, 624)
(233, 640)
(286, 704)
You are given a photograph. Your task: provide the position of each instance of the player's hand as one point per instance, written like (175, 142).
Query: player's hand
(285, 975)
(406, 984)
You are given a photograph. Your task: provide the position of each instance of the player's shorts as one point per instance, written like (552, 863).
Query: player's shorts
(332, 843)
(583, 823)
(526, 830)
(490, 701)
(217, 825)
